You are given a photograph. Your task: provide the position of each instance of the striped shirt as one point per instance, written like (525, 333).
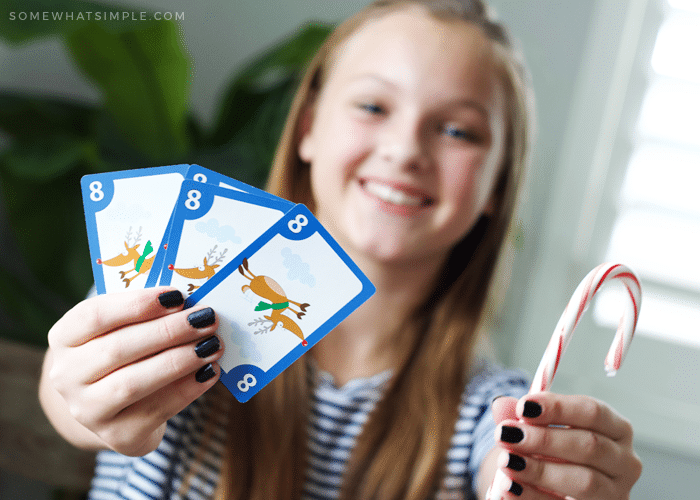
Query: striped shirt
(336, 419)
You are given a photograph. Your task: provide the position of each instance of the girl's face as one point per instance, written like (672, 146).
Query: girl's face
(406, 137)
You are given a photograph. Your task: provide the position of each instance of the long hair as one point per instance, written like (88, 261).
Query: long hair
(401, 451)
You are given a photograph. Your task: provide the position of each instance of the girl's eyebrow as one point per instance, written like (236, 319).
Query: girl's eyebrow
(465, 103)
(469, 103)
(372, 76)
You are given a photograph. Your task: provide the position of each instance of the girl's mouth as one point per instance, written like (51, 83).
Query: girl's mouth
(395, 194)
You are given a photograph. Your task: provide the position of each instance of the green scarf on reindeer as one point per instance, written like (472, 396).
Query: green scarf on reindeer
(262, 306)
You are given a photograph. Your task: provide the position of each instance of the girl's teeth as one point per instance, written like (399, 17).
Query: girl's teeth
(391, 195)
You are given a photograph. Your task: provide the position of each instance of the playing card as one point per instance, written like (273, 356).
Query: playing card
(206, 176)
(127, 214)
(211, 225)
(201, 174)
(278, 298)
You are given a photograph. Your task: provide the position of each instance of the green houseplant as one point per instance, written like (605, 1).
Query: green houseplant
(143, 120)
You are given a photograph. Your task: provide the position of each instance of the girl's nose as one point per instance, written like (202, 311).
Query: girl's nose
(403, 145)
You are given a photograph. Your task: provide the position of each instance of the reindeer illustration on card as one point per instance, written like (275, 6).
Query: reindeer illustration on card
(132, 260)
(199, 274)
(278, 297)
(275, 301)
(210, 225)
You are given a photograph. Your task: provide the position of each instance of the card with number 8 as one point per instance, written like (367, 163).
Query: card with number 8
(127, 214)
(205, 176)
(278, 298)
(210, 225)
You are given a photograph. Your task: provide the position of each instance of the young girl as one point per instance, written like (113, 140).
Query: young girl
(408, 139)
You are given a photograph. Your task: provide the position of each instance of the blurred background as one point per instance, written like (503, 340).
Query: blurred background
(615, 177)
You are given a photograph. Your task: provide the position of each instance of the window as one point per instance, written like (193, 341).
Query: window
(626, 188)
(657, 228)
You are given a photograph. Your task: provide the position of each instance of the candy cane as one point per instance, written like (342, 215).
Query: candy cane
(565, 327)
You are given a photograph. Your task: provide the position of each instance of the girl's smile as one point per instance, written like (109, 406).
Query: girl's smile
(405, 139)
(395, 197)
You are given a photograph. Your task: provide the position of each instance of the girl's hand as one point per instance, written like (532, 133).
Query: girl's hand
(121, 365)
(589, 455)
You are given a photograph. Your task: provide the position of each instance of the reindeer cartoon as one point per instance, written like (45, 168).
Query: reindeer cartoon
(267, 288)
(132, 255)
(205, 271)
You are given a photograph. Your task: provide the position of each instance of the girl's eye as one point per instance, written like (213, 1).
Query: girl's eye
(371, 108)
(461, 134)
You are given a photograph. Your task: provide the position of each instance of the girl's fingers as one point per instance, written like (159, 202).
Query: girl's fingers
(539, 479)
(513, 489)
(582, 412)
(147, 417)
(138, 341)
(102, 314)
(579, 446)
(139, 381)
(575, 446)
(126, 363)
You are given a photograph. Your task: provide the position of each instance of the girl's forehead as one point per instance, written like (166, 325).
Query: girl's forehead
(412, 47)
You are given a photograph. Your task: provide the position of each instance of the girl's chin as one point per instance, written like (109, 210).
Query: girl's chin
(362, 246)
(392, 251)
(378, 237)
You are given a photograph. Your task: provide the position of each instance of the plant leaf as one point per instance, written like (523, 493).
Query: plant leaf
(48, 156)
(289, 56)
(116, 152)
(236, 159)
(143, 73)
(26, 317)
(47, 224)
(23, 115)
(249, 88)
(49, 136)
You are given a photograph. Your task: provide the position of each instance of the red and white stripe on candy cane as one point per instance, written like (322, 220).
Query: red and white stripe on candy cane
(578, 304)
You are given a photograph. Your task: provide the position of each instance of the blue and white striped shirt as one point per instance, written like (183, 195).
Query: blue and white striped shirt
(336, 419)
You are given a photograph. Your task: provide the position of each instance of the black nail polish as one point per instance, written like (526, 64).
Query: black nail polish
(170, 299)
(532, 409)
(516, 489)
(202, 318)
(204, 373)
(511, 434)
(207, 347)
(516, 462)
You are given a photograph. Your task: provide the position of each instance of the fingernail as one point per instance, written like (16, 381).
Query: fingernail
(202, 318)
(494, 399)
(532, 409)
(511, 434)
(515, 462)
(207, 347)
(516, 489)
(170, 299)
(204, 373)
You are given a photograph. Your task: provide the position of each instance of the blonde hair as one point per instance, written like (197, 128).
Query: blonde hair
(401, 451)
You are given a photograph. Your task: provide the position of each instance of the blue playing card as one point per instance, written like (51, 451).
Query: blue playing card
(127, 215)
(278, 298)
